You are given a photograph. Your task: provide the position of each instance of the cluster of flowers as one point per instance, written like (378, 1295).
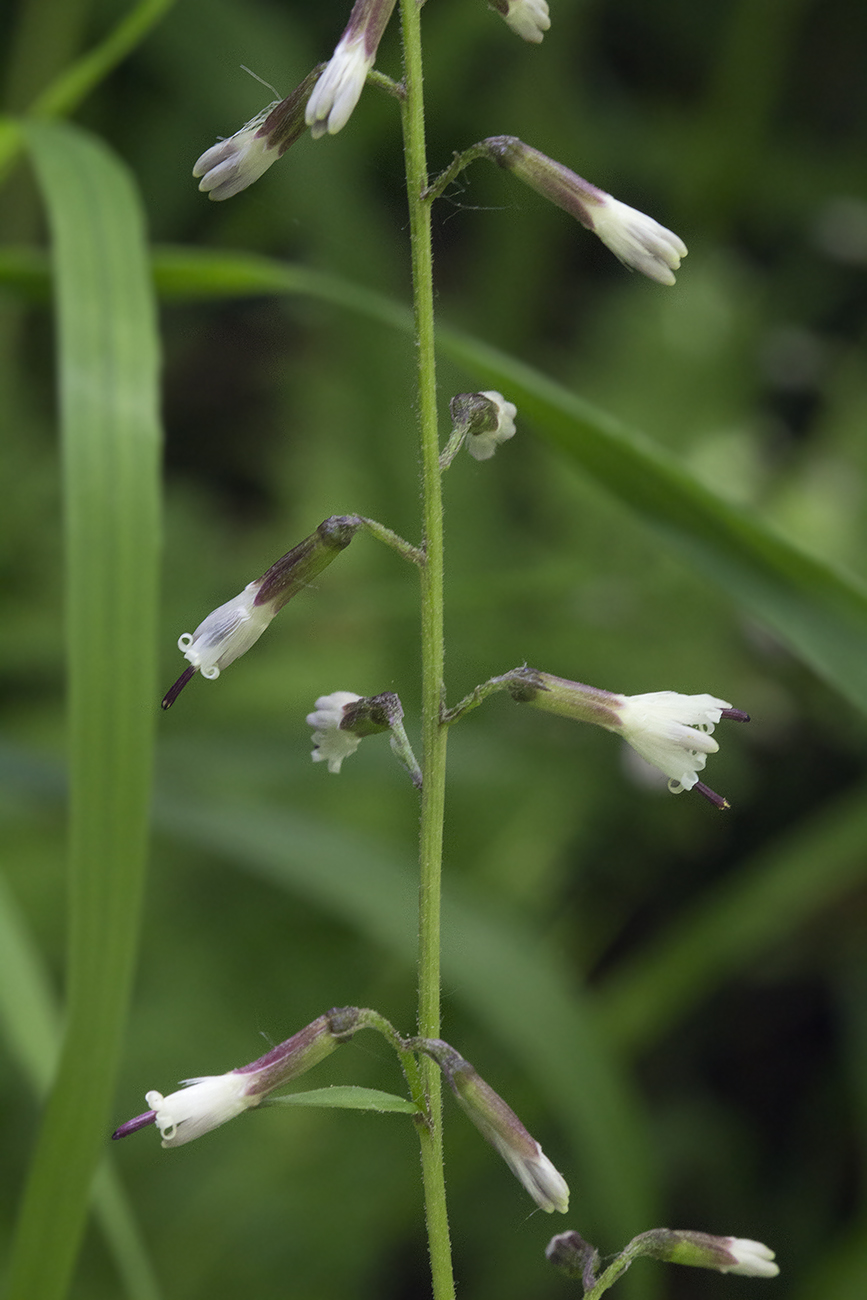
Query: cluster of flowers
(324, 102)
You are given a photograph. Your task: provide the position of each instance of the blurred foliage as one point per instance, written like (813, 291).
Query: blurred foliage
(698, 977)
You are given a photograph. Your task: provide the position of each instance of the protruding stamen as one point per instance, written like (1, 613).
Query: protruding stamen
(133, 1125)
(174, 691)
(735, 715)
(716, 799)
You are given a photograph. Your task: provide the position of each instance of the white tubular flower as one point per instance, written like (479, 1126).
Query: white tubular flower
(528, 19)
(339, 88)
(227, 632)
(331, 745)
(753, 1258)
(637, 240)
(483, 444)
(671, 732)
(213, 1099)
(231, 165)
(202, 1104)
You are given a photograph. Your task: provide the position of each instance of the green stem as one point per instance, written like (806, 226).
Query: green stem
(394, 540)
(459, 163)
(434, 734)
(472, 701)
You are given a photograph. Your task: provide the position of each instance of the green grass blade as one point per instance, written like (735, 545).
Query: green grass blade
(108, 357)
(817, 609)
(768, 898)
(76, 82)
(30, 1024)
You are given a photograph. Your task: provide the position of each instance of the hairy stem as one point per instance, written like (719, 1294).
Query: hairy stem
(433, 732)
(459, 163)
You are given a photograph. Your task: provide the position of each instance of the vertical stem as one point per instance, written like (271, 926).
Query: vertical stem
(434, 733)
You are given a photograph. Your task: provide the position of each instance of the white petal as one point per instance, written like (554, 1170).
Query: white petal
(638, 240)
(227, 632)
(754, 1258)
(339, 88)
(231, 165)
(202, 1105)
(528, 19)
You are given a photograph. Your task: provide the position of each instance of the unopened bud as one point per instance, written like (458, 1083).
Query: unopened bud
(701, 1250)
(528, 19)
(340, 85)
(637, 240)
(499, 1124)
(574, 1256)
(232, 164)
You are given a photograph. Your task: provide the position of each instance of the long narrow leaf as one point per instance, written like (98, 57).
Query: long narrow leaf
(109, 403)
(30, 1025)
(349, 1097)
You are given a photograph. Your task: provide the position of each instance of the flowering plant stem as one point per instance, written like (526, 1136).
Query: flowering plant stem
(434, 734)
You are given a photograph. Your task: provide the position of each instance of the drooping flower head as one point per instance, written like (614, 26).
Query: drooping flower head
(339, 88)
(486, 419)
(342, 719)
(528, 19)
(670, 731)
(640, 243)
(332, 745)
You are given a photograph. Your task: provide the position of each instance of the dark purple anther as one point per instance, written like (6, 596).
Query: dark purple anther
(716, 799)
(174, 691)
(133, 1125)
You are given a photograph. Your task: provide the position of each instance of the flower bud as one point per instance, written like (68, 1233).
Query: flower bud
(232, 164)
(528, 19)
(230, 630)
(206, 1102)
(500, 1126)
(637, 240)
(574, 1256)
(701, 1250)
(484, 420)
(670, 731)
(339, 88)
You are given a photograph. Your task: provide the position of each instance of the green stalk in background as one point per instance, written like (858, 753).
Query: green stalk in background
(110, 432)
(434, 734)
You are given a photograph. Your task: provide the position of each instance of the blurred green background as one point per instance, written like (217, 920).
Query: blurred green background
(673, 999)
